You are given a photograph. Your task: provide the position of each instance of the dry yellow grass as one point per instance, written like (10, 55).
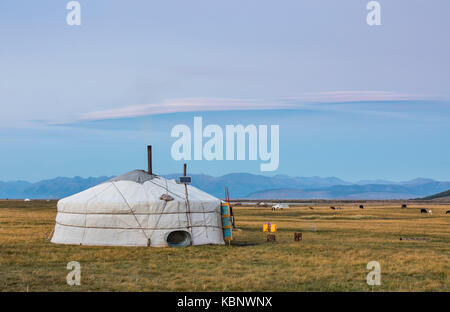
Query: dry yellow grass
(336, 247)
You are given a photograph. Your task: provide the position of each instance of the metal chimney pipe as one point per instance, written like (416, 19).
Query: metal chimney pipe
(149, 158)
(185, 169)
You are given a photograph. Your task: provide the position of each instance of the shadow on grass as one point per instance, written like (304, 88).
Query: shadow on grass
(244, 244)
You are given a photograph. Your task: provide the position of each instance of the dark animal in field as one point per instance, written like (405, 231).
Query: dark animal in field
(423, 211)
(448, 211)
(361, 206)
(404, 206)
(311, 208)
(298, 236)
(332, 208)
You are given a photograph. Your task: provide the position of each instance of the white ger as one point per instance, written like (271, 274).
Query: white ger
(280, 206)
(139, 209)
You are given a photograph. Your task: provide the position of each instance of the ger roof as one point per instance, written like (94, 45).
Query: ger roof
(138, 176)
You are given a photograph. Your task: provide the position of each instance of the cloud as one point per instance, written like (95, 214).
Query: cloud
(187, 105)
(310, 101)
(357, 96)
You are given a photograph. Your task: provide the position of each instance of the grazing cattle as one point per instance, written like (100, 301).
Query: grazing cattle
(423, 211)
(361, 206)
(404, 206)
(311, 207)
(430, 211)
(448, 211)
(297, 236)
(332, 208)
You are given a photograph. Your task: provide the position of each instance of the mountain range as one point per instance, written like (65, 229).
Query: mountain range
(245, 185)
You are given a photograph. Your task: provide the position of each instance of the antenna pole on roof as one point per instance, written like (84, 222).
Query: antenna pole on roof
(149, 157)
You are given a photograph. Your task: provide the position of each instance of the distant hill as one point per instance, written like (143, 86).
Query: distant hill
(240, 184)
(440, 196)
(245, 185)
(403, 190)
(48, 189)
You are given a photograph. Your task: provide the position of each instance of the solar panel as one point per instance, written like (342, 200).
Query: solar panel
(186, 180)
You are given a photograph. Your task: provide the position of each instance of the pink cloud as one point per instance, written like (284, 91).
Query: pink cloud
(303, 101)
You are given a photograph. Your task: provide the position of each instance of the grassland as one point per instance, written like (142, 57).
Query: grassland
(336, 247)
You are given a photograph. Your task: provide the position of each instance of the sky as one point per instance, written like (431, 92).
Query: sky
(352, 100)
